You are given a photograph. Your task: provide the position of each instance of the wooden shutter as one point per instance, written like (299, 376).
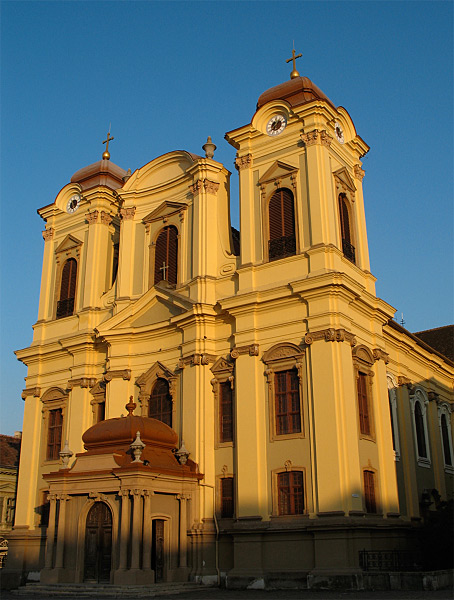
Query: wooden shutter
(65, 306)
(227, 498)
(287, 402)
(344, 219)
(363, 404)
(166, 252)
(160, 403)
(226, 412)
(54, 432)
(281, 217)
(445, 439)
(420, 437)
(369, 491)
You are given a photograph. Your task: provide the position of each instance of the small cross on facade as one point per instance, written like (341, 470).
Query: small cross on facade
(294, 73)
(164, 270)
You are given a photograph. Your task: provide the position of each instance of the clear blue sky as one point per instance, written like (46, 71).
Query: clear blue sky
(167, 74)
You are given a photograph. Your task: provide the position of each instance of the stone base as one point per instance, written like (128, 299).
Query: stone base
(133, 577)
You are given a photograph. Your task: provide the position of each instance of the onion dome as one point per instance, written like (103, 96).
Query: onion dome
(296, 91)
(118, 433)
(103, 172)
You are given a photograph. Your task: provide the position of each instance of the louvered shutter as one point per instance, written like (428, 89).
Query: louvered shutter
(166, 253)
(345, 221)
(445, 439)
(420, 437)
(275, 217)
(281, 217)
(369, 491)
(226, 412)
(363, 404)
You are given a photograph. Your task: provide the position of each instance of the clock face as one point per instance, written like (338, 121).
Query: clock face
(276, 125)
(73, 203)
(339, 133)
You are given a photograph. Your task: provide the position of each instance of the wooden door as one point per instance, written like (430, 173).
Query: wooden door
(157, 556)
(98, 543)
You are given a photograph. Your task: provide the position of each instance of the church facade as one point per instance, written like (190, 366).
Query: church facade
(282, 421)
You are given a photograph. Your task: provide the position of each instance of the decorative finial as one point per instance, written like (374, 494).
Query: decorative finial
(209, 148)
(182, 454)
(402, 322)
(65, 455)
(294, 73)
(130, 407)
(137, 448)
(106, 154)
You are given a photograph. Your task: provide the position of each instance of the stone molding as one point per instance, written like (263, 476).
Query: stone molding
(359, 172)
(34, 391)
(83, 382)
(106, 218)
(251, 349)
(48, 234)
(123, 374)
(317, 136)
(196, 359)
(96, 496)
(127, 214)
(402, 380)
(243, 162)
(210, 187)
(380, 354)
(330, 335)
(92, 217)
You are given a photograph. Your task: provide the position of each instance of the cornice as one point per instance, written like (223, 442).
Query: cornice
(124, 374)
(34, 391)
(330, 335)
(197, 359)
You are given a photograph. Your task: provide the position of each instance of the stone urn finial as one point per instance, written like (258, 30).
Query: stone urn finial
(209, 148)
(137, 448)
(182, 454)
(65, 455)
(131, 406)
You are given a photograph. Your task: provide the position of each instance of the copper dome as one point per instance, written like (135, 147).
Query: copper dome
(119, 432)
(103, 172)
(295, 91)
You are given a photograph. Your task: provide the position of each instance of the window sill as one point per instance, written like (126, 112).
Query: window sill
(286, 436)
(424, 462)
(449, 469)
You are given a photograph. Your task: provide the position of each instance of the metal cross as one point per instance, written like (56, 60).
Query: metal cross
(164, 269)
(294, 73)
(110, 139)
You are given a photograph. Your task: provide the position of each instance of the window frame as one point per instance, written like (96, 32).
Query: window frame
(167, 228)
(168, 398)
(70, 248)
(223, 372)
(275, 474)
(344, 187)
(419, 396)
(53, 399)
(98, 392)
(282, 222)
(392, 398)
(445, 410)
(146, 383)
(363, 362)
(284, 356)
(373, 473)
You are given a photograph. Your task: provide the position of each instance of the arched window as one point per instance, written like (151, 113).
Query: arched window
(281, 217)
(420, 437)
(160, 404)
(65, 305)
(347, 247)
(166, 256)
(445, 439)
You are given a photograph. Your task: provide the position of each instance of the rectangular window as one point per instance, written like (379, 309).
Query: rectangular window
(100, 411)
(54, 434)
(369, 491)
(363, 405)
(227, 498)
(290, 490)
(225, 412)
(287, 402)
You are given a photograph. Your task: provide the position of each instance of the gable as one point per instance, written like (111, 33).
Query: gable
(343, 176)
(277, 171)
(68, 243)
(157, 313)
(166, 209)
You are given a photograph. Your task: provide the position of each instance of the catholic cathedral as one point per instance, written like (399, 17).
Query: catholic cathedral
(223, 407)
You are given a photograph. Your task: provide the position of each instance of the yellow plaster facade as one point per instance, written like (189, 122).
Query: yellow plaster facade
(241, 319)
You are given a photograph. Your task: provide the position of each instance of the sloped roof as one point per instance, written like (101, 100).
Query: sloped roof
(9, 451)
(439, 338)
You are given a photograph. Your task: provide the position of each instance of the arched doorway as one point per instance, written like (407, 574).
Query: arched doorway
(98, 543)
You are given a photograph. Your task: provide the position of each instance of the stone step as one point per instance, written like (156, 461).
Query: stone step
(84, 590)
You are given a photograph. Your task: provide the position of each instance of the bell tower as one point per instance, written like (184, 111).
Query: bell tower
(301, 183)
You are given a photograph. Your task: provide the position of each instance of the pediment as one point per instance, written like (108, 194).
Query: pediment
(154, 307)
(166, 209)
(163, 170)
(69, 243)
(344, 176)
(278, 170)
(222, 366)
(281, 352)
(158, 370)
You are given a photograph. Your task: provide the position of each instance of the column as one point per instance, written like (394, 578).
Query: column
(47, 290)
(124, 529)
(51, 530)
(183, 530)
(147, 530)
(126, 259)
(61, 531)
(136, 528)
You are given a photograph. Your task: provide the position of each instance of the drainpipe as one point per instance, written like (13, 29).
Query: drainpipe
(218, 573)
